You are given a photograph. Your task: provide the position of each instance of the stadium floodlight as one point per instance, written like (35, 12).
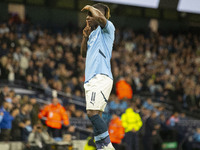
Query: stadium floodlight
(140, 3)
(191, 6)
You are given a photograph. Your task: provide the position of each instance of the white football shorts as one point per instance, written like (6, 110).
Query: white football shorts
(97, 92)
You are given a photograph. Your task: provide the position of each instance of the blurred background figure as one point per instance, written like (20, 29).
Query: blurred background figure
(196, 135)
(22, 124)
(173, 120)
(6, 119)
(39, 139)
(34, 111)
(132, 122)
(123, 89)
(54, 114)
(116, 130)
(152, 139)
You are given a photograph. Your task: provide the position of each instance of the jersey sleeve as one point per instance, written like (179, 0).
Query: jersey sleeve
(109, 29)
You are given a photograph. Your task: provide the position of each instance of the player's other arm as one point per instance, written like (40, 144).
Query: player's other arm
(96, 15)
(86, 33)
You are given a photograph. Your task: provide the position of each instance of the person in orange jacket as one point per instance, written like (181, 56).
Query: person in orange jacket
(124, 89)
(116, 131)
(55, 115)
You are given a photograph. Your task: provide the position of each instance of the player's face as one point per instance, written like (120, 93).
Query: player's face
(91, 21)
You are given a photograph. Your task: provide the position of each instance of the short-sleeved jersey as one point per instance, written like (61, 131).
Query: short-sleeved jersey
(99, 51)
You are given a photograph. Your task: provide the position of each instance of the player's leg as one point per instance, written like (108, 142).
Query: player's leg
(101, 135)
(97, 93)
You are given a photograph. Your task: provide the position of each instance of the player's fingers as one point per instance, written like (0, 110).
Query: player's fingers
(87, 23)
(85, 8)
(87, 28)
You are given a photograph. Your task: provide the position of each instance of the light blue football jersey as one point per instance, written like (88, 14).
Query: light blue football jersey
(99, 51)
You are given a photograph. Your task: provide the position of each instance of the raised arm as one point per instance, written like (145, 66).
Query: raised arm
(86, 33)
(97, 15)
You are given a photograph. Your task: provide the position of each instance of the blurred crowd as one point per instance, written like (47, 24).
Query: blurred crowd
(133, 124)
(165, 66)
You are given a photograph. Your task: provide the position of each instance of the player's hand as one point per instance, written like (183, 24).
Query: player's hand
(86, 8)
(86, 30)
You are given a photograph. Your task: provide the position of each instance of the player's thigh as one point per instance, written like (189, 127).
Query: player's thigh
(97, 92)
(105, 91)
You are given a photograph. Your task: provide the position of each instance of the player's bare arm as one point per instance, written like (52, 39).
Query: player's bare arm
(86, 33)
(97, 15)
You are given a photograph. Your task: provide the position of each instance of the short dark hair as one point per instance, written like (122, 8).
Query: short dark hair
(104, 7)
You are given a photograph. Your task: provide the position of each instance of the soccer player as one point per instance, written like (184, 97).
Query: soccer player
(97, 44)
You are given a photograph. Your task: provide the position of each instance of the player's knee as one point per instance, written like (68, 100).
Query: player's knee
(91, 113)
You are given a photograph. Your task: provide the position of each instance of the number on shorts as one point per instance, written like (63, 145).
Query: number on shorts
(93, 98)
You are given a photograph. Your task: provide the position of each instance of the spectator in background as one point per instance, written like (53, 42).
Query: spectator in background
(16, 101)
(117, 105)
(21, 123)
(191, 101)
(4, 29)
(197, 96)
(138, 102)
(54, 114)
(4, 49)
(27, 130)
(34, 112)
(123, 89)
(6, 122)
(148, 104)
(39, 138)
(4, 71)
(196, 135)
(182, 116)
(152, 139)
(159, 109)
(116, 130)
(3, 93)
(71, 109)
(132, 123)
(11, 94)
(68, 91)
(173, 120)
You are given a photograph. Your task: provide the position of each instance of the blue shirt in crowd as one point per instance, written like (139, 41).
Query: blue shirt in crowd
(118, 106)
(148, 106)
(99, 51)
(6, 122)
(196, 137)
